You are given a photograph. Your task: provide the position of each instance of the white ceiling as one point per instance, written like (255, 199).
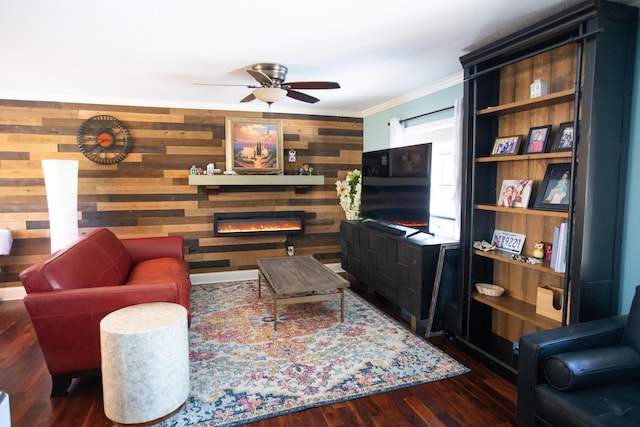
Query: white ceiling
(152, 52)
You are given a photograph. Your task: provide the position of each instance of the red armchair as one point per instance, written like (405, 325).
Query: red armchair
(70, 292)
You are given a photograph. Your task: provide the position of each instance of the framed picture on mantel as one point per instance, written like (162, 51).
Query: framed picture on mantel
(254, 146)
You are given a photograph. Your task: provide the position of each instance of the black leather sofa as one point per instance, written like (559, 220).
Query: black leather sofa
(587, 374)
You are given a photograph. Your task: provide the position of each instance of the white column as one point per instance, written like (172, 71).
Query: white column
(5, 241)
(61, 181)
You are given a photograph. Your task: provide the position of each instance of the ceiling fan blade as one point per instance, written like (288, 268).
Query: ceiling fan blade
(261, 77)
(226, 85)
(248, 98)
(312, 85)
(302, 96)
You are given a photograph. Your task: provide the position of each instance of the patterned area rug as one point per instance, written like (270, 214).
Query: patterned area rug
(243, 371)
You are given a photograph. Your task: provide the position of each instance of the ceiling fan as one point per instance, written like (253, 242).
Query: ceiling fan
(273, 87)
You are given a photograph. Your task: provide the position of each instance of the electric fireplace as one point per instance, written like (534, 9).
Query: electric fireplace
(257, 223)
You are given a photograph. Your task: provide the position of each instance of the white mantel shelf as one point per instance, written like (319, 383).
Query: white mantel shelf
(219, 180)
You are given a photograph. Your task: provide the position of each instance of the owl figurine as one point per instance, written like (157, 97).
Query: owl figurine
(538, 250)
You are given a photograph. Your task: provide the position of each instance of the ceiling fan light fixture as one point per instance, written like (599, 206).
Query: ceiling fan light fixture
(269, 94)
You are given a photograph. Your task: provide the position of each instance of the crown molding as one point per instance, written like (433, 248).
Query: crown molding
(444, 83)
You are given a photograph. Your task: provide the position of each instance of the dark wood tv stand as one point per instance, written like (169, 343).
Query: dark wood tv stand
(402, 267)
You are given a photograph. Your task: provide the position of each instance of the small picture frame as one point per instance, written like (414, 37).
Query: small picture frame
(564, 138)
(554, 191)
(506, 145)
(515, 193)
(537, 141)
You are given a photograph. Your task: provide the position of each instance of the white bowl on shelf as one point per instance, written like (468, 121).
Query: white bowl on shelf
(489, 289)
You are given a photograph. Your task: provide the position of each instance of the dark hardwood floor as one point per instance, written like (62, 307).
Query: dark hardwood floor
(479, 398)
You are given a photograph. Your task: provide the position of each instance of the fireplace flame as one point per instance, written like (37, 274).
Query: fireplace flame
(246, 223)
(411, 223)
(258, 226)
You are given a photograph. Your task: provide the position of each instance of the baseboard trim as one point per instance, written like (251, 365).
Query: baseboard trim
(18, 292)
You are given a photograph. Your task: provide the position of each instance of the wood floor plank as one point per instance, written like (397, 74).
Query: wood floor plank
(479, 398)
(423, 411)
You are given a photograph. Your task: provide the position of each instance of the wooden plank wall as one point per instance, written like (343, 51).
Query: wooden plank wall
(148, 194)
(557, 67)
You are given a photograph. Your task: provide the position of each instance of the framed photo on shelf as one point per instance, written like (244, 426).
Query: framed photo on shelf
(506, 145)
(537, 141)
(254, 146)
(554, 191)
(515, 193)
(564, 138)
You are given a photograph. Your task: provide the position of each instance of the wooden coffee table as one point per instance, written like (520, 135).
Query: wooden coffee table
(298, 279)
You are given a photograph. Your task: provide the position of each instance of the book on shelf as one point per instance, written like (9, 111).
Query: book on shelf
(559, 254)
(554, 251)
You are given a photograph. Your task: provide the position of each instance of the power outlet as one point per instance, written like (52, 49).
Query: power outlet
(290, 250)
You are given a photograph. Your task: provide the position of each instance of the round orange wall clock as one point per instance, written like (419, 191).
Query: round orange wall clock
(104, 139)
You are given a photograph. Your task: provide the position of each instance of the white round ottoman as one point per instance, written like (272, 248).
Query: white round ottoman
(145, 362)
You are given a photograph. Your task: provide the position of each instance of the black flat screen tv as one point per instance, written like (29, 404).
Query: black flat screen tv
(396, 186)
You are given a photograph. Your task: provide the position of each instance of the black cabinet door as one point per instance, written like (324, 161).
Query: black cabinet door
(419, 264)
(409, 269)
(383, 254)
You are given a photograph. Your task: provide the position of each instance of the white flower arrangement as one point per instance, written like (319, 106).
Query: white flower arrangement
(349, 190)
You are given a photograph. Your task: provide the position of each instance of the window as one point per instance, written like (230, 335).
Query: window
(445, 172)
